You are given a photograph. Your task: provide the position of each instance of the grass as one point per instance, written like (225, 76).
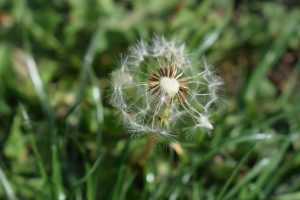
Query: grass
(60, 139)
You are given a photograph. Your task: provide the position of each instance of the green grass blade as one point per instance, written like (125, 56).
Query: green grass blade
(269, 170)
(6, 186)
(118, 185)
(278, 177)
(35, 149)
(268, 61)
(58, 192)
(234, 173)
(248, 177)
(292, 196)
(291, 84)
(89, 172)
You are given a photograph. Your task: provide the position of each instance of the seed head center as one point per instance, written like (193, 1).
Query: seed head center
(170, 86)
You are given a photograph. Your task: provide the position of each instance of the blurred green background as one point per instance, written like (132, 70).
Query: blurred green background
(60, 138)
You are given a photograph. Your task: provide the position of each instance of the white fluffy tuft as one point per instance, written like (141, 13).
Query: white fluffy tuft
(145, 113)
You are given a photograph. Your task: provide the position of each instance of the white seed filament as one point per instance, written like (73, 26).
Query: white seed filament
(204, 122)
(170, 86)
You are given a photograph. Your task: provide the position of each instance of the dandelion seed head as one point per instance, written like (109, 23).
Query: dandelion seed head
(162, 90)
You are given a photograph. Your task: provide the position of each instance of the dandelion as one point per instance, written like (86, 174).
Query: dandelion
(160, 89)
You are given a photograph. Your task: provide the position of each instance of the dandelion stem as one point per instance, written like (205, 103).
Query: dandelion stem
(142, 157)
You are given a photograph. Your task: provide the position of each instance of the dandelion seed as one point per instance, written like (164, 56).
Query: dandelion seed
(204, 122)
(160, 89)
